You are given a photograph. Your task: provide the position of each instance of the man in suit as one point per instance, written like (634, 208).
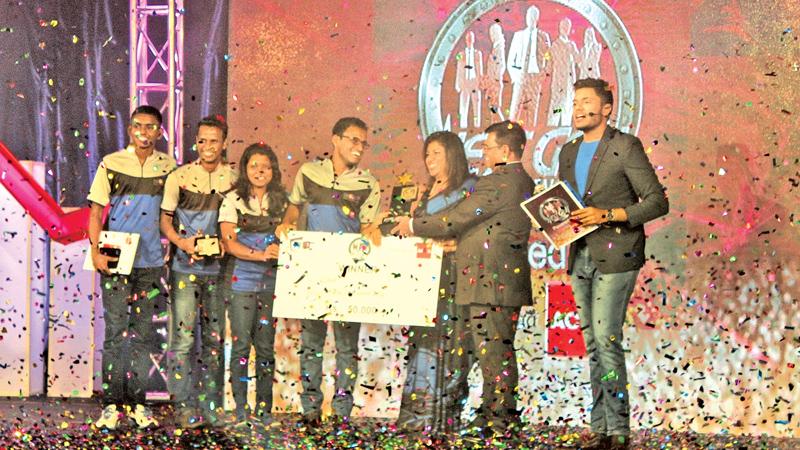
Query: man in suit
(493, 281)
(527, 61)
(609, 170)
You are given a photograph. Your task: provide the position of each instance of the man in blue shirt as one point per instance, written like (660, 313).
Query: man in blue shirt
(621, 192)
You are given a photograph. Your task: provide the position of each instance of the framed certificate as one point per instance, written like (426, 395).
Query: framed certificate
(549, 211)
(344, 277)
(117, 244)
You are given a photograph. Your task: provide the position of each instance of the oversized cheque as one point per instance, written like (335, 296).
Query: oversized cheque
(343, 277)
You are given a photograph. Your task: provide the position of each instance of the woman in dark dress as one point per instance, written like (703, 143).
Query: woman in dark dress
(436, 382)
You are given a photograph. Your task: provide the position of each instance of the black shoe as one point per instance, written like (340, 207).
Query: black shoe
(619, 442)
(478, 423)
(596, 441)
(312, 419)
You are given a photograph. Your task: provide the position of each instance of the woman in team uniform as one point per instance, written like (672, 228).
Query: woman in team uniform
(248, 216)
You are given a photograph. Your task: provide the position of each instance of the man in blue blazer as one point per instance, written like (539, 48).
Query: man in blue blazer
(610, 172)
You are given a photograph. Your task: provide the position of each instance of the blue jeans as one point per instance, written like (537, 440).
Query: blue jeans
(128, 309)
(252, 323)
(190, 293)
(602, 301)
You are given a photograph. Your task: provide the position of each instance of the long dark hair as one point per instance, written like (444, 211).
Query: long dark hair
(275, 191)
(457, 166)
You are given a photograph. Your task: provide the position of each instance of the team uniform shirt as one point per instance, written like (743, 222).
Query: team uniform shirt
(255, 229)
(134, 191)
(195, 195)
(335, 203)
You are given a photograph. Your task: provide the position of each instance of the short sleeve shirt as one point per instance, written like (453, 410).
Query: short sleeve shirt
(195, 195)
(335, 203)
(134, 191)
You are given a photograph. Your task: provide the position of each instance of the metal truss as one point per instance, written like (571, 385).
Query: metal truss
(156, 69)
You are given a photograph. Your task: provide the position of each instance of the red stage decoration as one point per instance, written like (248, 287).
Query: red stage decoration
(62, 227)
(564, 335)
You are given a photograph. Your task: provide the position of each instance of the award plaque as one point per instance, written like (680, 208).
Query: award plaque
(207, 246)
(118, 245)
(403, 196)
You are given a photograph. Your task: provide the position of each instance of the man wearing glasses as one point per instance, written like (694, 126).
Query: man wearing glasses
(494, 279)
(132, 182)
(334, 195)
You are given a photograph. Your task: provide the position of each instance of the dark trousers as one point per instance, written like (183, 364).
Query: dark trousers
(252, 324)
(128, 310)
(346, 337)
(491, 332)
(438, 364)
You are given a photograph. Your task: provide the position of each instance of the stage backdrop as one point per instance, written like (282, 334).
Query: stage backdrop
(708, 86)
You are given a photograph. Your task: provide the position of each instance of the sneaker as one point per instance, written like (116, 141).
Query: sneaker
(109, 418)
(188, 419)
(593, 441)
(240, 419)
(212, 417)
(143, 417)
(263, 419)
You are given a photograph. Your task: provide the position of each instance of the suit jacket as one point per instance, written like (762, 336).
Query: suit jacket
(620, 176)
(518, 50)
(492, 233)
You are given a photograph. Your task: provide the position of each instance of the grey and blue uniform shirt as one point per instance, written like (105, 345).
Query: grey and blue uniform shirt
(335, 203)
(134, 191)
(195, 195)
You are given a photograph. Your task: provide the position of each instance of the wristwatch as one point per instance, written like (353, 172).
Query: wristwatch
(610, 215)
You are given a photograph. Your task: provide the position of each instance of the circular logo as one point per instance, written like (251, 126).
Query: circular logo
(360, 248)
(554, 210)
(517, 60)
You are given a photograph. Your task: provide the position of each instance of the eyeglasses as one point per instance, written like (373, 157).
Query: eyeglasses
(485, 147)
(146, 126)
(356, 141)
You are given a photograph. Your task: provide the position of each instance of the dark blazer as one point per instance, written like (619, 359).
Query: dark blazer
(492, 233)
(620, 176)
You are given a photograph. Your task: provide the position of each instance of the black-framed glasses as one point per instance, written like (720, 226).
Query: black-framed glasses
(356, 141)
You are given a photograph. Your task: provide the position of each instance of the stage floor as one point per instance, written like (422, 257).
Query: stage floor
(50, 424)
